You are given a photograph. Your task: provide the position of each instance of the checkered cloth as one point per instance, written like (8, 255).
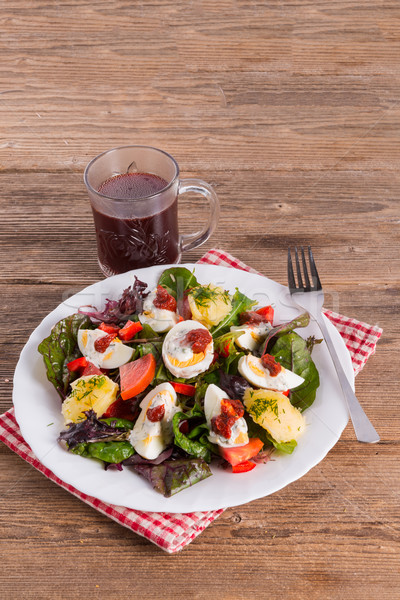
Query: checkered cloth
(172, 532)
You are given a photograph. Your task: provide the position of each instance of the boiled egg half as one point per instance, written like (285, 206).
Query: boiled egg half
(178, 355)
(150, 436)
(213, 407)
(252, 335)
(159, 319)
(252, 369)
(115, 355)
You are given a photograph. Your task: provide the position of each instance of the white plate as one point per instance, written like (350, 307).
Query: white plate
(37, 409)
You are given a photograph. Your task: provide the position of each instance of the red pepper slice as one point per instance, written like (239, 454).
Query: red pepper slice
(243, 467)
(108, 327)
(226, 348)
(286, 393)
(267, 312)
(129, 330)
(183, 388)
(77, 364)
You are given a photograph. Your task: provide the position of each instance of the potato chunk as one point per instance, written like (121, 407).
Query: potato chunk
(96, 392)
(209, 304)
(273, 411)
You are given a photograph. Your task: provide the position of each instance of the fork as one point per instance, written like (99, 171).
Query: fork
(310, 296)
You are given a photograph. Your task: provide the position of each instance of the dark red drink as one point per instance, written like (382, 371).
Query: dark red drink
(148, 235)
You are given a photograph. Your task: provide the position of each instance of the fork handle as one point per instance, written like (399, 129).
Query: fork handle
(365, 432)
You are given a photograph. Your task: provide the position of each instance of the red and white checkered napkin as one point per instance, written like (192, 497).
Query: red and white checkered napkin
(172, 532)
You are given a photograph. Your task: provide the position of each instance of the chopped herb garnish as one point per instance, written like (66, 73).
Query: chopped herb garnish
(205, 294)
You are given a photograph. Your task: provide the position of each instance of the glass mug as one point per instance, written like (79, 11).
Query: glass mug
(141, 230)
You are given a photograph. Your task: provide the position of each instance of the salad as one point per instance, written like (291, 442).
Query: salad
(167, 381)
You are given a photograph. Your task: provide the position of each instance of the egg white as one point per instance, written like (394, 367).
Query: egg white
(252, 335)
(251, 368)
(116, 355)
(159, 319)
(150, 439)
(176, 356)
(212, 408)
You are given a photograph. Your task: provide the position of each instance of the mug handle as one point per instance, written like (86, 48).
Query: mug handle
(192, 240)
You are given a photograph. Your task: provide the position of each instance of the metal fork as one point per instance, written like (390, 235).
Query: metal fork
(310, 296)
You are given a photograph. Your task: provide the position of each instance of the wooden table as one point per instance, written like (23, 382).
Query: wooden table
(291, 110)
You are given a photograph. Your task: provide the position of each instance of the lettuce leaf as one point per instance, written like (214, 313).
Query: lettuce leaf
(176, 280)
(92, 430)
(109, 452)
(292, 352)
(190, 446)
(117, 311)
(60, 348)
(240, 303)
(173, 476)
(301, 321)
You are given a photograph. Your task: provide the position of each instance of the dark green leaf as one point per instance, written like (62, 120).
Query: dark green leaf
(191, 447)
(110, 452)
(176, 280)
(115, 422)
(153, 348)
(60, 348)
(173, 476)
(240, 303)
(291, 351)
(300, 321)
(147, 332)
(311, 342)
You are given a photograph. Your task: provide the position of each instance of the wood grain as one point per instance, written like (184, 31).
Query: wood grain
(291, 111)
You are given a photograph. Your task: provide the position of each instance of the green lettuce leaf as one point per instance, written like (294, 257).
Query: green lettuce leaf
(240, 303)
(60, 348)
(110, 452)
(173, 476)
(190, 446)
(117, 422)
(176, 280)
(292, 352)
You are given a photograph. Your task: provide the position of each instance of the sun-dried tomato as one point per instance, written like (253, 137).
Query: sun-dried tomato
(156, 414)
(231, 411)
(164, 300)
(270, 363)
(251, 318)
(197, 339)
(102, 343)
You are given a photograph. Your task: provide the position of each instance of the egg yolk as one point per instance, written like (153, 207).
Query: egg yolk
(196, 358)
(257, 370)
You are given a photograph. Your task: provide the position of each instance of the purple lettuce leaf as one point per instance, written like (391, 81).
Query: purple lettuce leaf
(115, 311)
(233, 385)
(113, 466)
(173, 476)
(136, 459)
(91, 430)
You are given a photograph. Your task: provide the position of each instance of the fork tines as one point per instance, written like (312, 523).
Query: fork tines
(307, 285)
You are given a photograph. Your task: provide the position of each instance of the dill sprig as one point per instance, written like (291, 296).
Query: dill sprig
(203, 295)
(261, 405)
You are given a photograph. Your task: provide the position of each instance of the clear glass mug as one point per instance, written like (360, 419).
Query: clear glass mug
(140, 232)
